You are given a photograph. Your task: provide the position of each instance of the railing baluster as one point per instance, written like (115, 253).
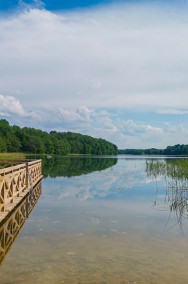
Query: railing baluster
(16, 182)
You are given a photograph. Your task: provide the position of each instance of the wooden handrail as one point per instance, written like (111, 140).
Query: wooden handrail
(16, 181)
(13, 168)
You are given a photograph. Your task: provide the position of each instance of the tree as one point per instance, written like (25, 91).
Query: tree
(31, 140)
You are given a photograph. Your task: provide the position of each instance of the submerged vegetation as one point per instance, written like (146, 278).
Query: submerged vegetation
(31, 140)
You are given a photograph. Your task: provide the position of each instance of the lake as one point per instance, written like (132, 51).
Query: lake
(103, 220)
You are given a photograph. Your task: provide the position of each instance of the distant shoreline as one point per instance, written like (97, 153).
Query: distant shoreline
(176, 150)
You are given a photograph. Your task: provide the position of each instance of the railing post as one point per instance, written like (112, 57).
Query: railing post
(2, 197)
(27, 175)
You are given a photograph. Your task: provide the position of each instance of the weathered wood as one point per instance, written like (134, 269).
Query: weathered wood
(16, 182)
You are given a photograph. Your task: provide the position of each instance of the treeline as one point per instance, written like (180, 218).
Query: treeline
(31, 140)
(180, 150)
(151, 151)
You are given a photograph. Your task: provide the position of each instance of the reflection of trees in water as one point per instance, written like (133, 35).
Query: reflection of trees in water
(175, 173)
(75, 166)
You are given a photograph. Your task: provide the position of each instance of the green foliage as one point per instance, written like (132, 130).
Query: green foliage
(3, 147)
(178, 150)
(151, 151)
(31, 140)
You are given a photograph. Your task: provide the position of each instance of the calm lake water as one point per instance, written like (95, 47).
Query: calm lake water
(105, 220)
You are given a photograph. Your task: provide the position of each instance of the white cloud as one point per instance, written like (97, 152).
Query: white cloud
(79, 116)
(69, 69)
(10, 106)
(131, 128)
(140, 135)
(172, 111)
(127, 57)
(95, 122)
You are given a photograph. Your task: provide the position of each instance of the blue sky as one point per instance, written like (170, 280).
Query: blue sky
(55, 5)
(118, 70)
(67, 5)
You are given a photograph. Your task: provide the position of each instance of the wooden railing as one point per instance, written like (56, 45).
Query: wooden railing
(11, 226)
(16, 182)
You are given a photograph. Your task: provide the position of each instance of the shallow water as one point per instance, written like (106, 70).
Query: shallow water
(103, 220)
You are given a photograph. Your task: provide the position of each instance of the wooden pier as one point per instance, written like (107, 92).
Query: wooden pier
(16, 182)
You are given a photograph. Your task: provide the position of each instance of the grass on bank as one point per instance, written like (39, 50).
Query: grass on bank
(12, 156)
(9, 159)
(17, 156)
